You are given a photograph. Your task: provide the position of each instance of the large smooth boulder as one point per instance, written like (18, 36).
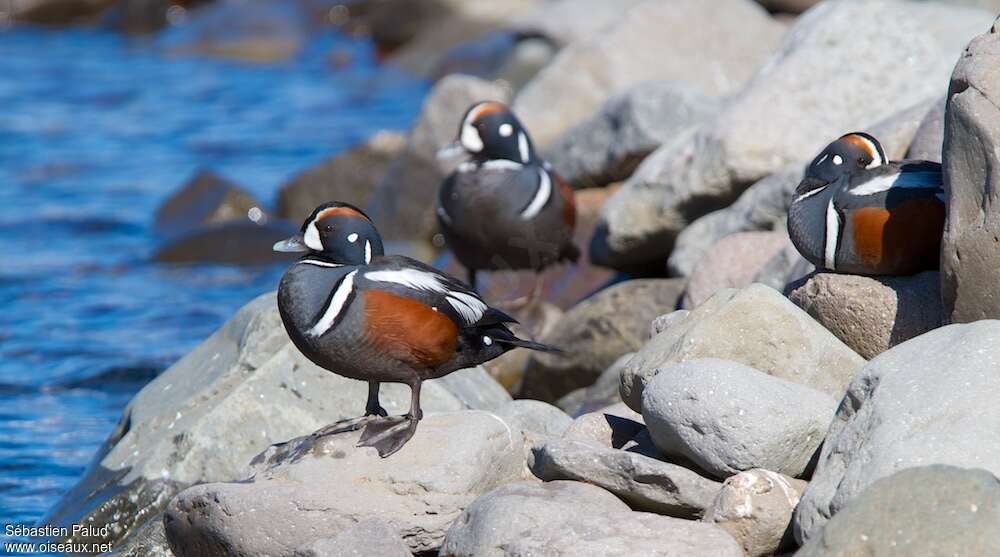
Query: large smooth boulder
(572, 518)
(602, 393)
(371, 536)
(755, 326)
(917, 512)
(595, 333)
(420, 490)
(927, 401)
(609, 145)
(631, 50)
(727, 418)
(403, 201)
(755, 507)
(872, 314)
(788, 113)
(929, 139)
(241, 390)
(535, 416)
(645, 483)
(732, 262)
(969, 255)
(570, 21)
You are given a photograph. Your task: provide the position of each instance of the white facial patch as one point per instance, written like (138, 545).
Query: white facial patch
(878, 159)
(838, 160)
(311, 237)
(352, 237)
(505, 130)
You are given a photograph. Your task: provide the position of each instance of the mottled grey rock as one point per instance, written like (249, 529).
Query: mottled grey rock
(755, 507)
(570, 21)
(872, 314)
(350, 176)
(917, 512)
(645, 483)
(630, 51)
(403, 201)
(595, 333)
(603, 393)
(535, 416)
(732, 262)
(763, 206)
(927, 401)
(611, 427)
(333, 484)
(969, 255)
(929, 139)
(786, 114)
(727, 417)
(667, 320)
(787, 266)
(572, 518)
(147, 541)
(205, 417)
(609, 145)
(755, 326)
(372, 536)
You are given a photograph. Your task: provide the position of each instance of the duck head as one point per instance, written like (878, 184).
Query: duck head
(490, 131)
(338, 232)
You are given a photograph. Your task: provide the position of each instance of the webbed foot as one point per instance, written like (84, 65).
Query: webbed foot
(388, 435)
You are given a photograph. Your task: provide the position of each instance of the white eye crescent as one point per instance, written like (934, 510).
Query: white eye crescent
(506, 130)
(352, 237)
(838, 160)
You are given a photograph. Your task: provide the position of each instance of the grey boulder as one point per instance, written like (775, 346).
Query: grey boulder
(927, 401)
(732, 262)
(755, 507)
(535, 416)
(612, 427)
(755, 326)
(572, 518)
(371, 536)
(602, 393)
(726, 418)
(331, 485)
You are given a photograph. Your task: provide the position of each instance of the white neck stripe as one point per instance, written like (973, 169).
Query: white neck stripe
(336, 307)
(542, 195)
(832, 235)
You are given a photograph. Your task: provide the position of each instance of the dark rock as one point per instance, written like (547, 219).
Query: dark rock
(55, 12)
(515, 57)
(148, 541)
(612, 427)
(230, 242)
(205, 199)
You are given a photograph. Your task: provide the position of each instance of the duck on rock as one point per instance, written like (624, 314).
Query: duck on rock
(504, 208)
(376, 318)
(857, 212)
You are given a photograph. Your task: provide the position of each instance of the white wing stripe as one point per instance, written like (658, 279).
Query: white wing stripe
(901, 180)
(412, 278)
(542, 195)
(319, 263)
(336, 306)
(501, 164)
(474, 308)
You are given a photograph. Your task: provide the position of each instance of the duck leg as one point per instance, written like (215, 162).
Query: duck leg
(390, 434)
(372, 407)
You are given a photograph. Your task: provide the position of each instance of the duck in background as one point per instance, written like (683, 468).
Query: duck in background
(857, 212)
(363, 315)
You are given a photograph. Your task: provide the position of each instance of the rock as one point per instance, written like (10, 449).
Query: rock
(872, 314)
(237, 242)
(603, 393)
(608, 146)
(205, 199)
(630, 51)
(150, 540)
(596, 332)
(929, 139)
(514, 57)
(535, 416)
(786, 267)
(732, 262)
(727, 417)
(755, 507)
(788, 6)
(572, 518)
(371, 536)
(451, 459)
(205, 417)
(570, 21)
(897, 131)
(774, 121)
(611, 427)
(969, 256)
(926, 401)
(403, 201)
(763, 206)
(644, 483)
(757, 327)
(350, 176)
(917, 512)
(54, 12)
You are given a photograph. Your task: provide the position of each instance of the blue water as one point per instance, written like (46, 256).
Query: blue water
(95, 131)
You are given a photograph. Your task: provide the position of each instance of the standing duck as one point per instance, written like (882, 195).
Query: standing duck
(504, 208)
(857, 212)
(363, 315)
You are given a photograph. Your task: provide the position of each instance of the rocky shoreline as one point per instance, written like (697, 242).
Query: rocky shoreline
(746, 405)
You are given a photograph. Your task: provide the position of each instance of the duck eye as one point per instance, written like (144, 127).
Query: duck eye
(838, 160)
(352, 237)
(506, 130)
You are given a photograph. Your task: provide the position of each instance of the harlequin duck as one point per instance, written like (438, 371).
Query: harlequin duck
(857, 212)
(363, 315)
(504, 208)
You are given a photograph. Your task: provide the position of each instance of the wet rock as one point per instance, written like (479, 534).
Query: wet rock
(608, 146)
(535, 416)
(872, 314)
(205, 199)
(150, 540)
(350, 176)
(755, 326)
(917, 512)
(644, 483)
(205, 417)
(732, 262)
(611, 427)
(629, 51)
(563, 518)
(596, 332)
(908, 49)
(371, 536)
(755, 507)
(54, 12)
(926, 401)
(969, 257)
(763, 206)
(929, 139)
(603, 393)
(420, 490)
(727, 417)
(235, 242)
(403, 202)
